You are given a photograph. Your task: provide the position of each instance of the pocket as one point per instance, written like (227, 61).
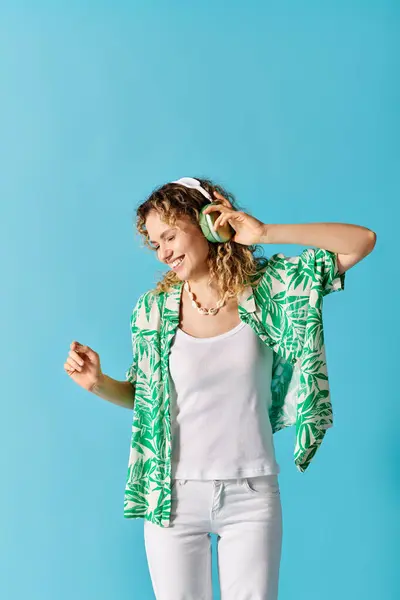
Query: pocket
(265, 485)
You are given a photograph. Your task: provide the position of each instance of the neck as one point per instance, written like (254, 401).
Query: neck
(204, 291)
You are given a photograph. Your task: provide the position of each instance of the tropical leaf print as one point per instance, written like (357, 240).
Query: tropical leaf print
(284, 308)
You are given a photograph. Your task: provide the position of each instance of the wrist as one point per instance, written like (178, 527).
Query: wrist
(98, 385)
(264, 237)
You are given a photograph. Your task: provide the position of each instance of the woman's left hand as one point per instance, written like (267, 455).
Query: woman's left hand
(249, 230)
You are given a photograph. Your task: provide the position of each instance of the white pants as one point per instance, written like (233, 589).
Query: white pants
(246, 515)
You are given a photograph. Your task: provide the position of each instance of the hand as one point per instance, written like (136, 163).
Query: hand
(83, 366)
(249, 230)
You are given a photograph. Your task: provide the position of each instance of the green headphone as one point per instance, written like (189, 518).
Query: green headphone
(206, 221)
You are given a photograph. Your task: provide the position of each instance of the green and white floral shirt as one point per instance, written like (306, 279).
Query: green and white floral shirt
(285, 310)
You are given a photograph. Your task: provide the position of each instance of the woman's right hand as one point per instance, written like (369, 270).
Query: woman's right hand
(83, 366)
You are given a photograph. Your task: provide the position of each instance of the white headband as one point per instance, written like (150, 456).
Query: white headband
(190, 182)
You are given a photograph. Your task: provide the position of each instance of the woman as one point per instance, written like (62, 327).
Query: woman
(227, 350)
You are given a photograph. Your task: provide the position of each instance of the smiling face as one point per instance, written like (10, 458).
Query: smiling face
(182, 240)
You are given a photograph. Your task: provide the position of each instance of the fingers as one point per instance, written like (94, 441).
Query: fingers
(77, 347)
(233, 217)
(71, 366)
(226, 214)
(68, 369)
(220, 222)
(219, 208)
(223, 219)
(75, 360)
(223, 200)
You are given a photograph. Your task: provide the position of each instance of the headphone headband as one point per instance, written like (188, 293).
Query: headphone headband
(191, 182)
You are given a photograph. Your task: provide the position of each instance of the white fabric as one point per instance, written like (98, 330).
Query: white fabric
(245, 514)
(220, 397)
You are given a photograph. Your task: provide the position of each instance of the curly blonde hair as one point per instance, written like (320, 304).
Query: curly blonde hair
(232, 265)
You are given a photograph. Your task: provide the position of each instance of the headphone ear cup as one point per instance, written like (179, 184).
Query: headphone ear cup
(206, 225)
(206, 222)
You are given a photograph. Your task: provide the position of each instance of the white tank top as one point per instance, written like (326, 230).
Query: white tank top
(220, 397)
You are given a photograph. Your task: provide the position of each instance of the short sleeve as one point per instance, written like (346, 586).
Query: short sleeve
(324, 270)
(140, 318)
(314, 269)
(130, 374)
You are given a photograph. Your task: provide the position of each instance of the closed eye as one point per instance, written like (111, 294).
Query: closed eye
(168, 240)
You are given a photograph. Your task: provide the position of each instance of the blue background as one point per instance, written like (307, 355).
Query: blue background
(294, 108)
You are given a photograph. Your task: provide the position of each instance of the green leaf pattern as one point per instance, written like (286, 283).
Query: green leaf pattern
(285, 310)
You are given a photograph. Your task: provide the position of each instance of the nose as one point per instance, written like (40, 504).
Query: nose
(165, 254)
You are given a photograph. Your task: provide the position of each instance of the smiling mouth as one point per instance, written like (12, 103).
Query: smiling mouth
(177, 262)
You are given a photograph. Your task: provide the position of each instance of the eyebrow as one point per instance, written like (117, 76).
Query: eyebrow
(164, 233)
